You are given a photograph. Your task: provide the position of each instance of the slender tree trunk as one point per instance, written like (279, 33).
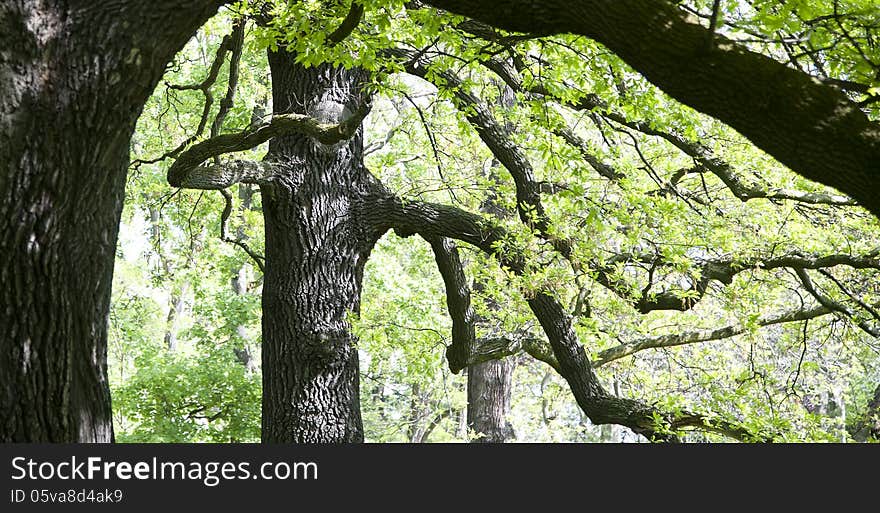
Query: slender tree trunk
(416, 412)
(490, 384)
(317, 243)
(241, 284)
(176, 304)
(177, 296)
(74, 77)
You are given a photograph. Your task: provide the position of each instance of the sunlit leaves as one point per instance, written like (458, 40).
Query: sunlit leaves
(649, 230)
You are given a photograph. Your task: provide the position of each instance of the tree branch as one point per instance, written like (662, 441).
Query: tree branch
(497, 138)
(186, 170)
(831, 304)
(600, 167)
(233, 42)
(697, 336)
(351, 21)
(811, 127)
(700, 153)
(223, 175)
(496, 348)
(224, 233)
(719, 270)
(458, 302)
(435, 220)
(236, 47)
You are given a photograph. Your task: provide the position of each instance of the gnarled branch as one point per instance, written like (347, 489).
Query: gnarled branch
(435, 220)
(186, 169)
(458, 302)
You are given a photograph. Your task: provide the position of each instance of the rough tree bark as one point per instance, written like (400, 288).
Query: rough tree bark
(316, 249)
(809, 126)
(314, 185)
(488, 390)
(74, 76)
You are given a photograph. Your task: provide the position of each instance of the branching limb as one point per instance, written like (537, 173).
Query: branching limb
(351, 21)
(713, 24)
(458, 302)
(186, 169)
(865, 306)
(700, 153)
(719, 270)
(489, 349)
(465, 349)
(224, 232)
(226, 174)
(831, 304)
(600, 167)
(237, 46)
(813, 128)
(697, 336)
(433, 220)
(231, 42)
(497, 138)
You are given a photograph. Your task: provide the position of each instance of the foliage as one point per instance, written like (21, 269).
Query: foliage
(646, 225)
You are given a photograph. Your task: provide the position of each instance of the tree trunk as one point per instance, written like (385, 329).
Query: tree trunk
(176, 304)
(74, 76)
(317, 243)
(490, 384)
(489, 387)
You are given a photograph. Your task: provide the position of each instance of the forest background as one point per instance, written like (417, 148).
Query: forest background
(557, 249)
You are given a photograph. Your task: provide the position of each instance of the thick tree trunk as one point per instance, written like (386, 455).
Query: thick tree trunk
(316, 248)
(489, 387)
(74, 77)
